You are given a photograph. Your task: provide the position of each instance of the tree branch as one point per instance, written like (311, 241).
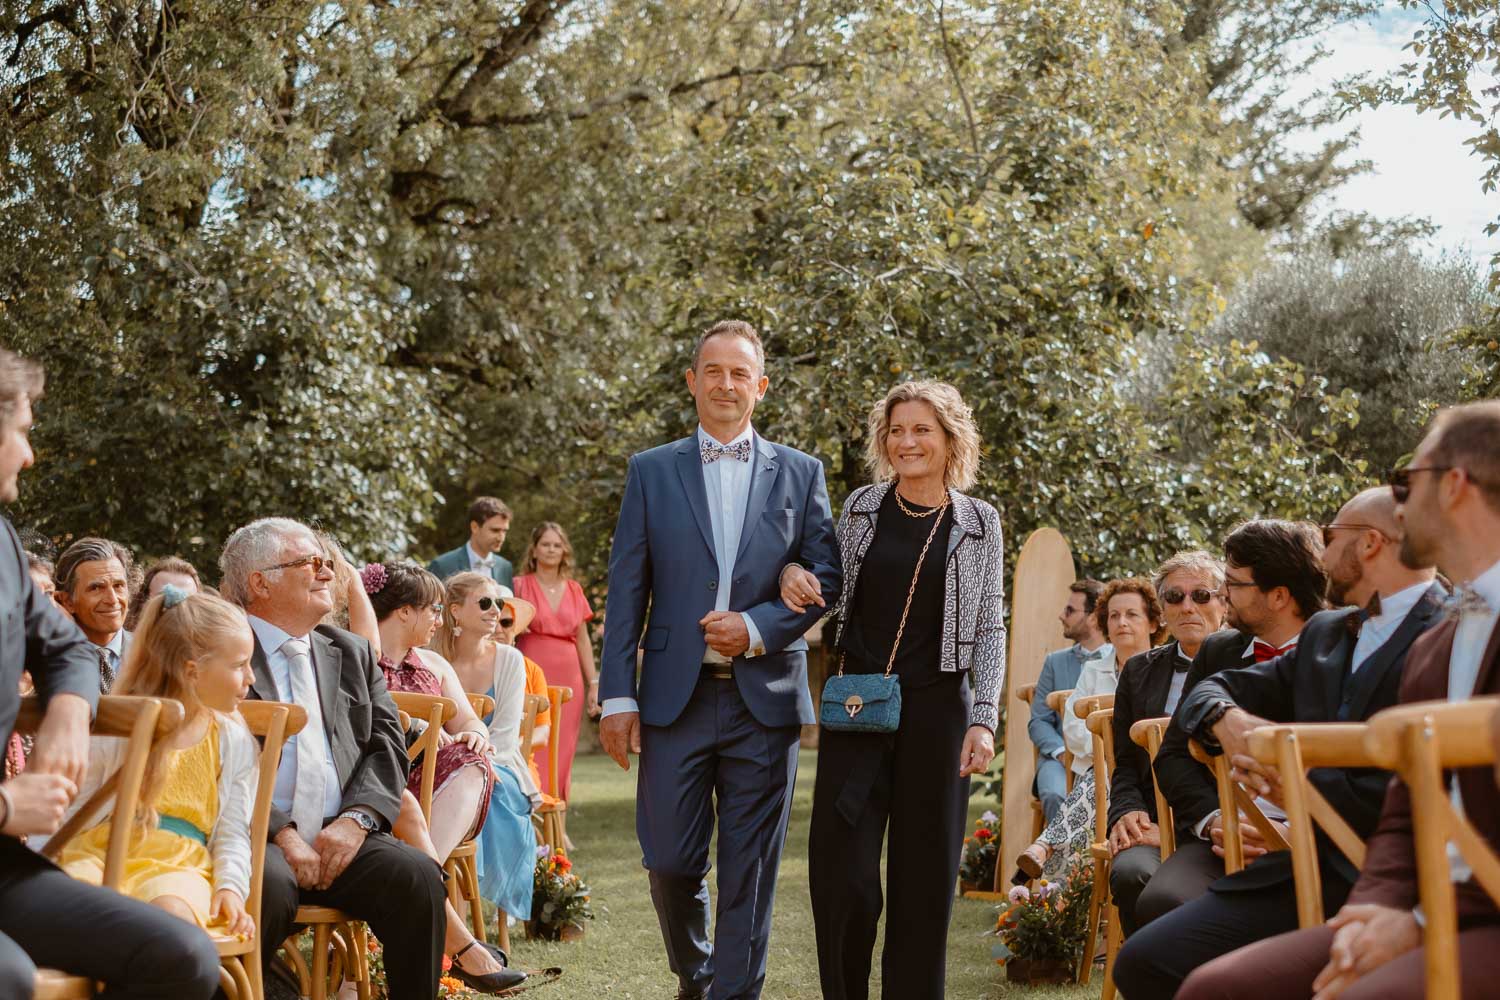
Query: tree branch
(525, 31)
(63, 14)
(638, 94)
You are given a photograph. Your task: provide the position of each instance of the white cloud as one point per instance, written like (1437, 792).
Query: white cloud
(1421, 165)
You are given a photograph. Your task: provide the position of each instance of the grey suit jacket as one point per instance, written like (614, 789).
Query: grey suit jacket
(35, 635)
(363, 725)
(457, 561)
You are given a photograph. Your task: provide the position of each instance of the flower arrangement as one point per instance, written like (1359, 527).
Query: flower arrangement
(450, 987)
(981, 851)
(1043, 931)
(559, 898)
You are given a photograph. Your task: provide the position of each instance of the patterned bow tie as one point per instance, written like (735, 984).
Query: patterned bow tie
(1086, 656)
(1465, 601)
(711, 452)
(486, 562)
(1356, 621)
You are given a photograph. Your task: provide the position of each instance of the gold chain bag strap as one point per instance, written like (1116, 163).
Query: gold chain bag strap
(871, 703)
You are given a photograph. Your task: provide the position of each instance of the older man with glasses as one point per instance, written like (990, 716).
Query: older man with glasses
(1346, 666)
(339, 786)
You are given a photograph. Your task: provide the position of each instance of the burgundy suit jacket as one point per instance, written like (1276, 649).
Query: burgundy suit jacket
(1389, 877)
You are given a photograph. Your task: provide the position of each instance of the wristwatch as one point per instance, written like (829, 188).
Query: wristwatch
(1206, 727)
(365, 821)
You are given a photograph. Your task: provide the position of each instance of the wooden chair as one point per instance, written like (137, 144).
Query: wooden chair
(1420, 741)
(554, 813)
(1293, 750)
(1148, 734)
(462, 865)
(145, 722)
(1234, 800)
(1100, 721)
(240, 965)
(1039, 815)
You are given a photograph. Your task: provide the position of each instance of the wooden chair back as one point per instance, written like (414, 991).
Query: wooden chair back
(435, 711)
(530, 710)
(273, 723)
(145, 722)
(1057, 700)
(1148, 734)
(1101, 722)
(1233, 800)
(1025, 691)
(482, 704)
(558, 696)
(1293, 750)
(1420, 741)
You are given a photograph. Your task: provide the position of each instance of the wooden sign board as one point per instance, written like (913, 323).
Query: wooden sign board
(1039, 591)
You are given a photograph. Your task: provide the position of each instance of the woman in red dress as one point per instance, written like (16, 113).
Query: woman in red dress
(559, 640)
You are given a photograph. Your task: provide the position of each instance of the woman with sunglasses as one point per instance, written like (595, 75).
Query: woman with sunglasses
(1190, 587)
(1130, 617)
(466, 636)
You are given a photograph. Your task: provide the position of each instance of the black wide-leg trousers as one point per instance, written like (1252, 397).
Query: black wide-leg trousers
(905, 786)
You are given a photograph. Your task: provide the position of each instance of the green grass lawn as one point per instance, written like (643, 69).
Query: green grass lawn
(622, 954)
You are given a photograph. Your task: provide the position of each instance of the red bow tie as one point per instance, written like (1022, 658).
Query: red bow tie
(1265, 651)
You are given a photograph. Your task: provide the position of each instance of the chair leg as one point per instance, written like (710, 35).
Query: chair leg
(227, 983)
(321, 935)
(502, 931)
(299, 965)
(470, 871)
(1091, 935)
(1112, 938)
(244, 989)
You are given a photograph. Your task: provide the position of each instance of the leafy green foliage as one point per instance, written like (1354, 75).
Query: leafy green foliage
(1047, 923)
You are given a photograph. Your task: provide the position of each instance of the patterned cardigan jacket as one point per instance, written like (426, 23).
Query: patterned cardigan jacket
(973, 591)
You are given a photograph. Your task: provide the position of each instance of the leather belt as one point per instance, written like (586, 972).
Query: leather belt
(719, 671)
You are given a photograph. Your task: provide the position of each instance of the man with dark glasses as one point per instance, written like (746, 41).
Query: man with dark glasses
(1346, 666)
(1273, 581)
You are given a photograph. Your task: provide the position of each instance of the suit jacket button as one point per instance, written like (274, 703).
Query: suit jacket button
(713, 585)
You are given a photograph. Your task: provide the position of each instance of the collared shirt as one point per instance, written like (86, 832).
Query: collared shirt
(477, 561)
(727, 485)
(1379, 628)
(1179, 679)
(271, 639)
(115, 650)
(1469, 642)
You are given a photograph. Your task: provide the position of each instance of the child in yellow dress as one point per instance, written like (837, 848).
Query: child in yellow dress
(190, 852)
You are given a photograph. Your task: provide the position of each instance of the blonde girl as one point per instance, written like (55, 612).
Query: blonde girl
(190, 852)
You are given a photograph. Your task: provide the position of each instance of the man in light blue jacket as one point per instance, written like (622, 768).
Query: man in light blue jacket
(1060, 673)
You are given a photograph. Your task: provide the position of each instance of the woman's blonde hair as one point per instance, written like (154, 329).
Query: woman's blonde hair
(953, 415)
(155, 666)
(528, 562)
(459, 587)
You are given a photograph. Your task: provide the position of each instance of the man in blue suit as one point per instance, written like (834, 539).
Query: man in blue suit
(706, 526)
(489, 522)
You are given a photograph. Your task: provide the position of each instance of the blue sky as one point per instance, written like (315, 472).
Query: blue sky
(1422, 167)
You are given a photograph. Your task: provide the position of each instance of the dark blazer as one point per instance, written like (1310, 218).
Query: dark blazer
(364, 727)
(1187, 785)
(1389, 877)
(1312, 684)
(457, 561)
(35, 635)
(1144, 684)
(664, 577)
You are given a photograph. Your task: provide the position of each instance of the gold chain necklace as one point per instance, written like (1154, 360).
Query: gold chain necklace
(911, 513)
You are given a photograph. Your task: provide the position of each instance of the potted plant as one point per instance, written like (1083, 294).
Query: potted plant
(559, 899)
(1041, 932)
(976, 872)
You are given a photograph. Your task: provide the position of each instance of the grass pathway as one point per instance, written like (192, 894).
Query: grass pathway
(622, 954)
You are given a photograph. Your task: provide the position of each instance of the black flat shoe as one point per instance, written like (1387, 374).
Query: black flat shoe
(492, 982)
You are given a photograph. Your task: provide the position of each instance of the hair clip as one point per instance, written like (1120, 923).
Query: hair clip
(374, 577)
(171, 596)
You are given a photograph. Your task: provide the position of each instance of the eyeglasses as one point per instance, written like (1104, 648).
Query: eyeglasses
(318, 564)
(437, 609)
(1175, 596)
(1231, 584)
(1400, 479)
(1332, 526)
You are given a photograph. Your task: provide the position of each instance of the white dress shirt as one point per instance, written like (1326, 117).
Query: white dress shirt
(1178, 682)
(727, 484)
(271, 639)
(1469, 643)
(1379, 628)
(485, 565)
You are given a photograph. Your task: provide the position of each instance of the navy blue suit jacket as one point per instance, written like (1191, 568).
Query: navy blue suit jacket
(664, 577)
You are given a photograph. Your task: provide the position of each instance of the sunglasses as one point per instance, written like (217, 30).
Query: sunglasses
(1400, 479)
(507, 622)
(486, 603)
(318, 564)
(1200, 595)
(1331, 527)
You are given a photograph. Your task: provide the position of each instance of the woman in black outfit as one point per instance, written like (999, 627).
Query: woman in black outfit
(944, 620)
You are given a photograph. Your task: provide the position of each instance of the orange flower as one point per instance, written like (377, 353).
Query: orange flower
(453, 986)
(984, 834)
(447, 963)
